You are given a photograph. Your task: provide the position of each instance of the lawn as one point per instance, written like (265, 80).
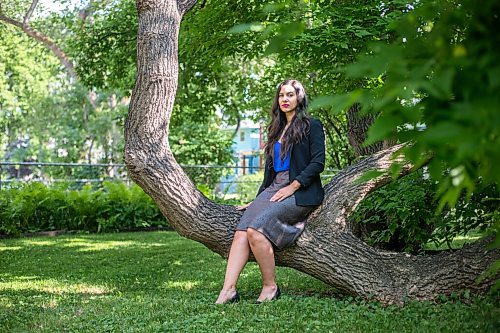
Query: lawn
(160, 282)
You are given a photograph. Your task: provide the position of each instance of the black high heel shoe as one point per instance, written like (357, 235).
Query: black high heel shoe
(276, 295)
(234, 299)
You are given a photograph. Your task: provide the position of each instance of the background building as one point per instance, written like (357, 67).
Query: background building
(247, 144)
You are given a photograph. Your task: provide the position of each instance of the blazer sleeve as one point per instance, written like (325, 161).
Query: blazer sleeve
(317, 148)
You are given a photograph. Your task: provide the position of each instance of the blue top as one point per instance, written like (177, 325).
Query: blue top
(279, 164)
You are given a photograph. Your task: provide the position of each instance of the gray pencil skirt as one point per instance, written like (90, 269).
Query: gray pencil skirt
(281, 222)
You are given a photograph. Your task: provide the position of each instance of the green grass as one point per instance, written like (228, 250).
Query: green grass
(160, 282)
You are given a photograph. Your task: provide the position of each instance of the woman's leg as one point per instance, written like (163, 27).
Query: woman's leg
(238, 257)
(263, 252)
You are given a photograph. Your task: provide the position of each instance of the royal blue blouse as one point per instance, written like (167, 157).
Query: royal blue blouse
(279, 164)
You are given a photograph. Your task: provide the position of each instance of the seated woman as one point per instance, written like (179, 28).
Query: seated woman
(295, 157)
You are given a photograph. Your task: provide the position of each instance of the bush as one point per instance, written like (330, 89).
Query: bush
(248, 186)
(114, 207)
(402, 216)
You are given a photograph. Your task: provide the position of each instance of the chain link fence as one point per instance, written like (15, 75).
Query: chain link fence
(226, 182)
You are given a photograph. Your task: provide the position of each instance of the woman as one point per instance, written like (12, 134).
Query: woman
(295, 156)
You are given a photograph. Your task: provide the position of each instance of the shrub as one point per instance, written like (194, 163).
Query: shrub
(116, 206)
(402, 216)
(248, 186)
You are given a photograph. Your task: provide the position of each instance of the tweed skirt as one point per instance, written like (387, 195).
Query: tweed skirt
(281, 222)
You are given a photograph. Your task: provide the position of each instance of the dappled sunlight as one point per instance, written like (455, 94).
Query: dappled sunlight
(27, 277)
(10, 248)
(6, 302)
(111, 245)
(52, 286)
(181, 285)
(51, 304)
(38, 242)
(84, 244)
(467, 238)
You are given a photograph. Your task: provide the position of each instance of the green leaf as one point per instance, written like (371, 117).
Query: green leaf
(362, 33)
(338, 103)
(368, 175)
(382, 127)
(286, 32)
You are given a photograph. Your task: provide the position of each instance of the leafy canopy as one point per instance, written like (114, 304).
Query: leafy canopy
(438, 89)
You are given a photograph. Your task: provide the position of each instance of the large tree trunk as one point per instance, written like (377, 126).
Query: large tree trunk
(357, 131)
(327, 249)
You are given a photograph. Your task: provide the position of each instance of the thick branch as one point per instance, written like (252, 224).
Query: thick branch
(349, 265)
(343, 193)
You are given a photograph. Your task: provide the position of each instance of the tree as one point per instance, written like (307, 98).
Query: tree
(232, 53)
(64, 121)
(327, 249)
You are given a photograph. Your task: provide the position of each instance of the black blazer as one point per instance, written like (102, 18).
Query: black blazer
(307, 161)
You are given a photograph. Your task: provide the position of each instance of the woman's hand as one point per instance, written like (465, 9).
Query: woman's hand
(286, 191)
(243, 207)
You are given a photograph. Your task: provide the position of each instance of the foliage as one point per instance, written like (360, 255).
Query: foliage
(36, 207)
(202, 144)
(159, 282)
(247, 186)
(233, 53)
(399, 216)
(227, 59)
(112, 31)
(25, 74)
(44, 116)
(439, 89)
(403, 215)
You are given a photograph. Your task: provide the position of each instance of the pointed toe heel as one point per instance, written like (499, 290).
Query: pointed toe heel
(235, 298)
(276, 295)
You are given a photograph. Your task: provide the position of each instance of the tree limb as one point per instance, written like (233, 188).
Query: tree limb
(29, 12)
(45, 40)
(185, 5)
(327, 249)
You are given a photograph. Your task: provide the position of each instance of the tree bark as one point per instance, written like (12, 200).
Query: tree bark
(358, 130)
(327, 249)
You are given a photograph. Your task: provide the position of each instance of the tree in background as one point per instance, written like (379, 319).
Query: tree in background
(75, 123)
(63, 120)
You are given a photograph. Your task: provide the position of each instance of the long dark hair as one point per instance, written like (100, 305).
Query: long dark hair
(299, 126)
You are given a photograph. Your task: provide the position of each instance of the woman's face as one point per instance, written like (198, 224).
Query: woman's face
(287, 98)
